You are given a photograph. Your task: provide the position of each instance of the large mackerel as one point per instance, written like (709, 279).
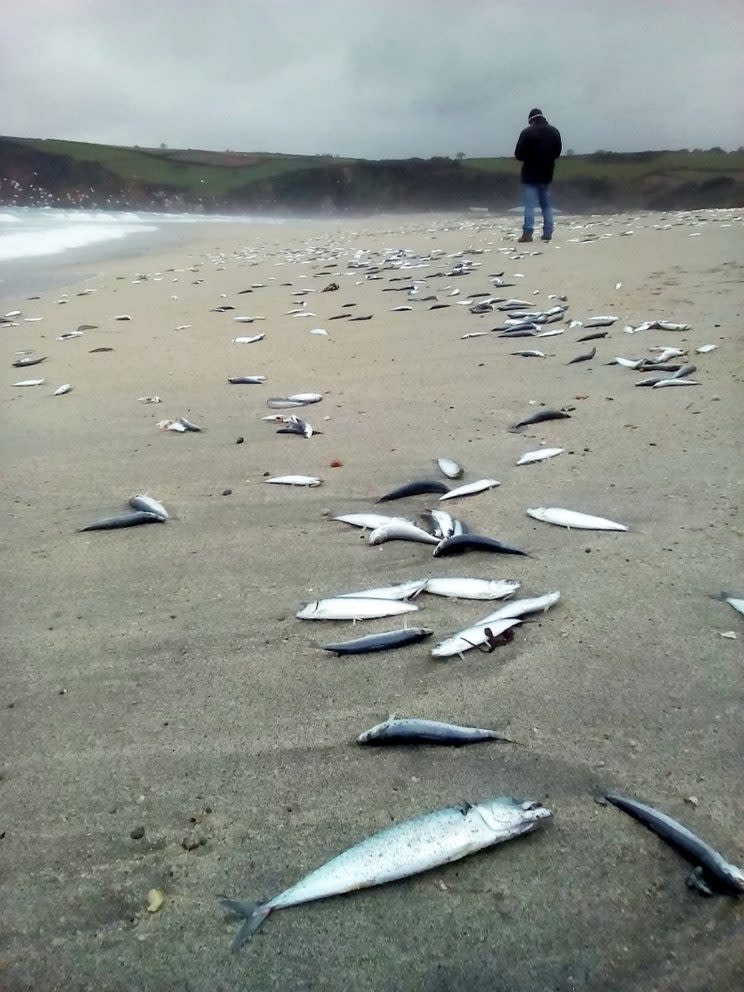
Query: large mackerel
(399, 851)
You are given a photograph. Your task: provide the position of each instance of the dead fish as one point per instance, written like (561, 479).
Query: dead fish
(494, 624)
(450, 468)
(141, 501)
(354, 608)
(123, 316)
(400, 851)
(22, 363)
(674, 382)
(30, 382)
(470, 489)
(603, 321)
(573, 519)
(387, 641)
(246, 380)
(172, 425)
(583, 358)
(70, 335)
(399, 531)
(459, 543)
(415, 488)
(667, 325)
(402, 590)
(295, 480)
(529, 457)
(188, 425)
(132, 519)
(369, 521)
(539, 416)
(711, 871)
(529, 354)
(439, 522)
(684, 371)
(250, 340)
(704, 349)
(95, 351)
(666, 353)
(725, 597)
(305, 398)
(550, 334)
(282, 403)
(593, 337)
(62, 390)
(415, 731)
(295, 425)
(149, 399)
(464, 588)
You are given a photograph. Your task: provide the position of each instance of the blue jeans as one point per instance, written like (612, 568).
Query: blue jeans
(534, 194)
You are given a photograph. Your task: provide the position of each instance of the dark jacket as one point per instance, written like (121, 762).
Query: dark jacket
(538, 147)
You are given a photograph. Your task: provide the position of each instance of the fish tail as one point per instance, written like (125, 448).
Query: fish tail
(253, 914)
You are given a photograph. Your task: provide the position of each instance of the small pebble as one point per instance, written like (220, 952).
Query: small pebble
(137, 834)
(227, 492)
(240, 439)
(692, 801)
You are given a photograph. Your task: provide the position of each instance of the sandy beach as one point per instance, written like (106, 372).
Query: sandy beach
(169, 724)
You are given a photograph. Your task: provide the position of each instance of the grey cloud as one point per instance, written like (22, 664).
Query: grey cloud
(389, 79)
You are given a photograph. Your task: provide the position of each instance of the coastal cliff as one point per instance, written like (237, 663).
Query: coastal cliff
(36, 172)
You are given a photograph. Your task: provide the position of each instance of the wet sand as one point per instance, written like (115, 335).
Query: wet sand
(157, 678)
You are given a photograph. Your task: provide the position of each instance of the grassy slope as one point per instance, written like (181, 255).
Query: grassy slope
(219, 173)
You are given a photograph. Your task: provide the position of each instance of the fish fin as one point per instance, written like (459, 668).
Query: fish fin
(253, 916)
(696, 880)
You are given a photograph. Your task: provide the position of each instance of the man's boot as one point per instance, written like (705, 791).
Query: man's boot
(525, 239)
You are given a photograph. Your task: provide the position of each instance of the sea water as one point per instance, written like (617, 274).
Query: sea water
(40, 245)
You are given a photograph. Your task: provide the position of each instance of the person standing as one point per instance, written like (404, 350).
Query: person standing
(538, 147)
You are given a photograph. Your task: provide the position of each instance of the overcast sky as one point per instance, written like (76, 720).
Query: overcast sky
(374, 78)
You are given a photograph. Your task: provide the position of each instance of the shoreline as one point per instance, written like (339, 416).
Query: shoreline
(196, 740)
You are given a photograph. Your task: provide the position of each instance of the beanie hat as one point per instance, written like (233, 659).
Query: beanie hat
(535, 112)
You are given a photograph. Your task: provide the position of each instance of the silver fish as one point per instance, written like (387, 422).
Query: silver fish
(504, 618)
(61, 390)
(539, 455)
(30, 382)
(403, 590)
(400, 851)
(450, 468)
(295, 480)
(573, 519)
(415, 731)
(369, 521)
(141, 501)
(387, 641)
(464, 588)
(401, 532)
(470, 489)
(354, 608)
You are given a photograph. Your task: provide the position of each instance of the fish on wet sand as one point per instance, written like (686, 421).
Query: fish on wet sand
(470, 489)
(369, 521)
(459, 543)
(133, 519)
(736, 602)
(415, 488)
(141, 501)
(401, 590)
(496, 623)
(295, 480)
(464, 588)
(711, 872)
(541, 415)
(539, 455)
(387, 641)
(354, 608)
(573, 519)
(401, 531)
(450, 468)
(27, 360)
(399, 851)
(412, 730)
(30, 382)
(586, 357)
(246, 380)
(63, 390)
